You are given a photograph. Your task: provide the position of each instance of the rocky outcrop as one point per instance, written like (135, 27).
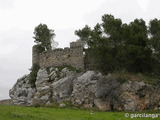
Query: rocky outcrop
(22, 93)
(86, 89)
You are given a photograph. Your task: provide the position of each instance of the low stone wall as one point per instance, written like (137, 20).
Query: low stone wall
(6, 102)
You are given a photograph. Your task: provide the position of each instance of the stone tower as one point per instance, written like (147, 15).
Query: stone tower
(77, 56)
(35, 55)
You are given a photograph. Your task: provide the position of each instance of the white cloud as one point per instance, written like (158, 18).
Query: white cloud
(143, 4)
(4, 50)
(6, 4)
(57, 13)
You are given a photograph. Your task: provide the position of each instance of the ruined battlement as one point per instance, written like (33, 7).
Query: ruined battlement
(72, 56)
(78, 43)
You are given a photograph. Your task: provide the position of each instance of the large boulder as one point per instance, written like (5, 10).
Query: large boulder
(62, 88)
(88, 88)
(22, 92)
(43, 89)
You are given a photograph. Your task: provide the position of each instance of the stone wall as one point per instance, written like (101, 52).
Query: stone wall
(35, 55)
(72, 56)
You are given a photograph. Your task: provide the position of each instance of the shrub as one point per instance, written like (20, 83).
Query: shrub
(33, 74)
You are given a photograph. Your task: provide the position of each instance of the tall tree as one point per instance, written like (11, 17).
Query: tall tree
(44, 37)
(113, 30)
(154, 33)
(104, 42)
(118, 46)
(154, 30)
(137, 51)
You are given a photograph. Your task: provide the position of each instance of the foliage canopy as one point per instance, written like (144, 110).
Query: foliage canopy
(115, 45)
(44, 37)
(33, 74)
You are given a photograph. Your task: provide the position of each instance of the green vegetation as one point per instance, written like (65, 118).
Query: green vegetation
(32, 113)
(123, 76)
(70, 68)
(33, 74)
(117, 46)
(59, 70)
(44, 37)
(151, 79)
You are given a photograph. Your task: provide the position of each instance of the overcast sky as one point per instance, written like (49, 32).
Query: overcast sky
(18, 19)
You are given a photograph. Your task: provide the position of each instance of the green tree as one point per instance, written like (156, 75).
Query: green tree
(44, 37)
(33, 74)
(137, 51)
(154, 30)
(84, 34)
(113, 31)
(104, 43)
(154, 33)
(118, 46)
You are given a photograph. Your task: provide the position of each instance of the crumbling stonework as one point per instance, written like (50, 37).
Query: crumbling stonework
(72, 56)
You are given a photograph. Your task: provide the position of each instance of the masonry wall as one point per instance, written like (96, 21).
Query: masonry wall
(72, 56)
(35, 55)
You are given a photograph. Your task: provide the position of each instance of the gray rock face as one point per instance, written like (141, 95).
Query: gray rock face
(62, 88)
(43, 89)
(107, 93)
(88, 89)
(22, 93)
(54, 86)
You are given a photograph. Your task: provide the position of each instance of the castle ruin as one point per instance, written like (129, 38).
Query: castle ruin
(73, 56)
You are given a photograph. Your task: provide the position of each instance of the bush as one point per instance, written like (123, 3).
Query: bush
(33, 74)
